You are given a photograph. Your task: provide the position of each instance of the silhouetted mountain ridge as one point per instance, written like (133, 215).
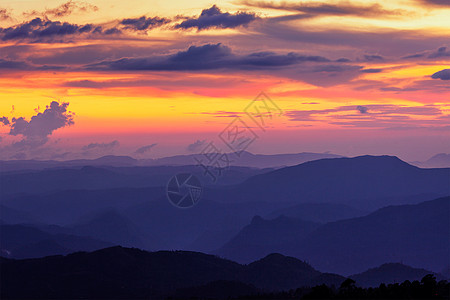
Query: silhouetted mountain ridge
(366, 182)
(130, 273)
(118, 272)
(440, 160)
(244, 159)
(416, 234)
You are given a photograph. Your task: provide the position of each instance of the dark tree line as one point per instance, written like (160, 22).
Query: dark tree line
(427, 288)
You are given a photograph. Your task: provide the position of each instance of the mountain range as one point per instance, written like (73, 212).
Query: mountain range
(441, 160)
(243, 159)
(343, 215)
(364, 182)
(418, 235)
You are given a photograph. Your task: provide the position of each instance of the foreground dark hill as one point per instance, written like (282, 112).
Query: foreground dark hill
(418, 235)
(131, 273)
(366, 182)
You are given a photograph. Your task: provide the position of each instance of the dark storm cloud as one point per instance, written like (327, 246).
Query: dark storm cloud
(435, 2)
(145, 149)
(42, 29)
(441, 52)
(442, 75)
(418, 55)
(316, 70)
(11, 64)
(372, 70)
(343, 60)
(112, 31)
(208, 57)
(101, 146)
(343, 8)
(373, 57)
(362, 109)
(22, 65)
(4, 120)
(272, 59)
(213, 17)
(143, 23)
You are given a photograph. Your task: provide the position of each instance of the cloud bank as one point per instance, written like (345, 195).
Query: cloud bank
(213, 17)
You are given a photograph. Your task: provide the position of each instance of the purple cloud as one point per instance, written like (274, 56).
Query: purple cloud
(209, 57)
(442, 75)
(43, 124)
(213, 17)
(143, 23)
(195, 146)
(440, 53)
(4, 120)
(41, 29)
(436, 2)
(145, 149)
(101, 146)
(362, 109)
(36, 131)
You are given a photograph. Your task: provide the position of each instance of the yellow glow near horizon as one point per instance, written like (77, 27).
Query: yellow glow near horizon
(192, 99)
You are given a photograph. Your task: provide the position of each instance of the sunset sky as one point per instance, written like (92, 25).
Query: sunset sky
(157, 78)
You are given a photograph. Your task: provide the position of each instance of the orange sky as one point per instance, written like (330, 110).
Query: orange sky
(351, 77)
